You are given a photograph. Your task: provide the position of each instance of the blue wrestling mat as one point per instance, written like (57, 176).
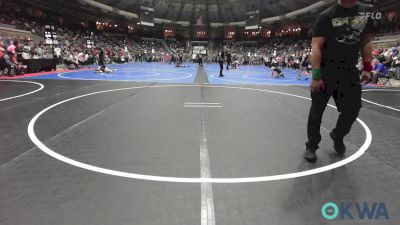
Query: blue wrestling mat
(168, 73)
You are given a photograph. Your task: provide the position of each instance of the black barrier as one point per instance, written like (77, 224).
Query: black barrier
(40, 65)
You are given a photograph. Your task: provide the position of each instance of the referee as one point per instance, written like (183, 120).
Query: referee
(341, 34)
(220, 59)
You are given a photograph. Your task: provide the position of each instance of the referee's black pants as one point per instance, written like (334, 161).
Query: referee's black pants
(347, 96)
(221, 66)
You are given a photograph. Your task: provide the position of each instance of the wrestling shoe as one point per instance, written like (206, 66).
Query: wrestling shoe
(338, 145)
(310, 155)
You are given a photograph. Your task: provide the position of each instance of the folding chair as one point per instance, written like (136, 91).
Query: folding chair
(385, 80)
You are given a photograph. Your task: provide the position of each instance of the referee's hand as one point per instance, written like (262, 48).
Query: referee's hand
(317, 85)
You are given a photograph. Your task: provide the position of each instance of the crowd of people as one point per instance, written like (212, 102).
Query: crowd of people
(72, 50)
(276, 53)
(280, 54)
(386, 64)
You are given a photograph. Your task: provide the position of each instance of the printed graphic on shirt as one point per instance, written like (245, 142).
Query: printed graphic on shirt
(349, 29)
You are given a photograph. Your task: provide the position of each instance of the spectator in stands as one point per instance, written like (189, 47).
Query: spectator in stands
(11, 64)
(173, 58)
(396, 65)
(3, 51)
(281, 61)
(388, 58)
(379, 71)
(57, 53)
(26, 52)
(266, 60)
(13, 47)
(12, 50)
(39, 52)
(73, 61)
(82, 58)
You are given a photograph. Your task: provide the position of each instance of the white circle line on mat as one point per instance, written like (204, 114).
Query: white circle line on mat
(188, 75)
(47, 150)
(214, 76)
(380, 105)
(41, 87)
(115, 75)
(268, 78)
(381, 90)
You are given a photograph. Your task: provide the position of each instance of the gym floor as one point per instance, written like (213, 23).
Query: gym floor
(152, 144)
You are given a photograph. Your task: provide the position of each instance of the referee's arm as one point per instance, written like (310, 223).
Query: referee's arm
(366, 48)
(317, 84)
(316, 56)
(366, 54)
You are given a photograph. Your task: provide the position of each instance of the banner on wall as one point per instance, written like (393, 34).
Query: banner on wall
(147, 16)
(252, 20)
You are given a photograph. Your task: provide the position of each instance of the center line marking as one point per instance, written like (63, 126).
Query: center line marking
(201, 103)
(202, 106)
(207, 199)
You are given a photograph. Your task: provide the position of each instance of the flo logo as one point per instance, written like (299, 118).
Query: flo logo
(354, 211)
(372, 15)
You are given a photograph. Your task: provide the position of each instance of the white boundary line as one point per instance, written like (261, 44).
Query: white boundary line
(267, 76)
(213, 76)
(115, 75)
(47, 150)
(71, 78)
(383, 90)
(377, 104)
(19, 96)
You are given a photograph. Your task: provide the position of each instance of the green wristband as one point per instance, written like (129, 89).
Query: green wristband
(316, 74)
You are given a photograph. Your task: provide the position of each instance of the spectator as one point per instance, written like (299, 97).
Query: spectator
(379, 71)
(12, 48)
(388, 58)
(57, 53)
(38, 52)
(82, 58)
(11, 64)
(3, 51)
(73, 61)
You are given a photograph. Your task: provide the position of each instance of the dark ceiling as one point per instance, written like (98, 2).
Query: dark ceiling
(216, 11)
(212, 11)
